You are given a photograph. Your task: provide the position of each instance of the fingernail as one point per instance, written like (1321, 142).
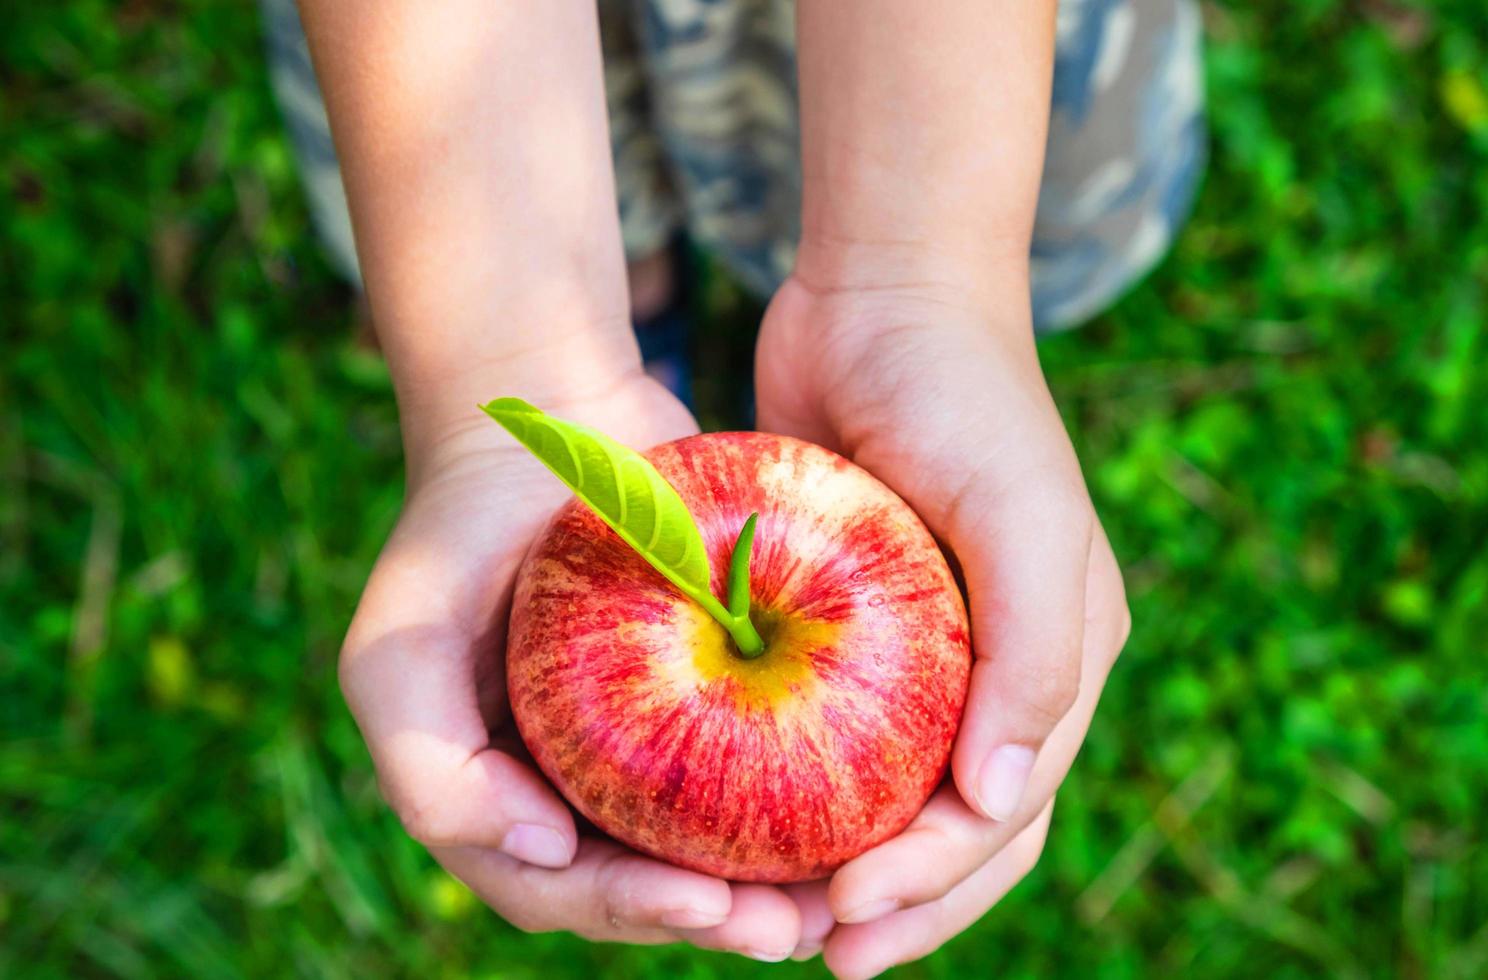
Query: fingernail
(535, 844)
(869, 911)
(806, 951)
(765, 955)
(1002, 780)
(692, 919)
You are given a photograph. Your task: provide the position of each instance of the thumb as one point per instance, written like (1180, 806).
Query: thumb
(409, 671)
(1024, 553)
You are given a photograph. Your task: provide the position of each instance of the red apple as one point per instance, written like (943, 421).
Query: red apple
(638, 707)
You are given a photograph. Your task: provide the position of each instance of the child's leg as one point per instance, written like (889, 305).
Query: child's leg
(703, 118)
(650, 216)
(298, 94)
(1126, 146)
(1125, 142)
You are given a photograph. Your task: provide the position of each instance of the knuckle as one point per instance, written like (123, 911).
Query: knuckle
(526, 917)
(1030, 847)
(950, 842)
(356, 681)
(614, 896)
(944, 925)
(1050, 691)
(1062, 502)
(425, 820)
(945, 853)
(1123, 628)
(1028, 855)
(605, 926)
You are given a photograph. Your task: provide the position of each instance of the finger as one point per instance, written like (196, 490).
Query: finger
(861, 951)
(948, 841)
(817, 920)
(763, 924)
(1025, 553)
(608, 893)
(409, 674)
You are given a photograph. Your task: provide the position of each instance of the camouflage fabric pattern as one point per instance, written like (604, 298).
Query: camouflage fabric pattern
(704, 127)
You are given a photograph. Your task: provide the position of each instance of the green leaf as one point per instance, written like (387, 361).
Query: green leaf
(628, 494)
(621, 486)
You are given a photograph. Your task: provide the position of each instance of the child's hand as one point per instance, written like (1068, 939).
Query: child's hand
(423, 672)
(941, 397)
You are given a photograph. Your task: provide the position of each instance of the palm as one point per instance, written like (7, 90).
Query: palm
(926, 392)
(423, 672)
(472, 512)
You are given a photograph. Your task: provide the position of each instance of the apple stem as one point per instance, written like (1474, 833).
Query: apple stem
(735, 618)
(746, 637)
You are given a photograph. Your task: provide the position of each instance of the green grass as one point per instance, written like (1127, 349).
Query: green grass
(1286, 431)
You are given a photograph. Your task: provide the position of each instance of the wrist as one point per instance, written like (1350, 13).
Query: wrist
(439, 391)
(869, 362)
(989, 282)
(864, 296)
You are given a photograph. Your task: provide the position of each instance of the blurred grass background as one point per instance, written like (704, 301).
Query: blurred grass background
(1286, 431)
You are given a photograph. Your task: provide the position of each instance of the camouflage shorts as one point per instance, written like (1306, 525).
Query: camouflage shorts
(704, 129)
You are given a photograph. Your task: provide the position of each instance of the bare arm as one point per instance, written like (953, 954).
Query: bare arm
(472, 139)
(903, 339)
(473, 142)
(923, 130)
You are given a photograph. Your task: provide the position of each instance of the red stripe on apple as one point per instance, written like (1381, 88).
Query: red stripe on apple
(636, 702)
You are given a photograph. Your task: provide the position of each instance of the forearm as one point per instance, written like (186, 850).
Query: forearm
(923, 131)
(472, 139)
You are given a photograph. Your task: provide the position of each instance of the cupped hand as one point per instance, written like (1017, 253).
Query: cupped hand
(423, 671)
(940, 395)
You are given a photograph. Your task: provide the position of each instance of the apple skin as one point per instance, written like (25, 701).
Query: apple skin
(636, 706)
